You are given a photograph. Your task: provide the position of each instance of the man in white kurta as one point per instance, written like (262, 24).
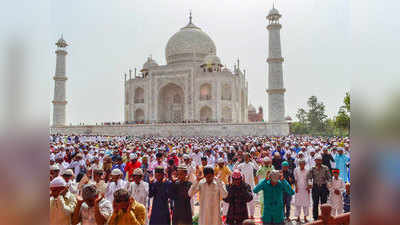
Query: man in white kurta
(336, 187)
(211, 191)
(139, 189)
(302, 195)
(116, 183)
(62, 202)
(247, 169)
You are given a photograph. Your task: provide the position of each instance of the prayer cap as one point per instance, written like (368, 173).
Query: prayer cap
(132, 156)
(236, 174)
(58, 182)
(221, 160)
(318, 157)
(54, 167)
(285, 163)
(267, 159)
(182, 168)
(186, 156)
(116, 172)
(68, 172)
(138, 172)
(302, 161)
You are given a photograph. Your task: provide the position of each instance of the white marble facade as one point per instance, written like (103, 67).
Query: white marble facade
(276, 90)
(60, 79)
(192, 86)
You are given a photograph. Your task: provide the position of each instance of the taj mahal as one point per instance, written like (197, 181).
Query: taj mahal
(193, 87)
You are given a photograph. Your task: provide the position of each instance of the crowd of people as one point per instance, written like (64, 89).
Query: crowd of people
(195, 180)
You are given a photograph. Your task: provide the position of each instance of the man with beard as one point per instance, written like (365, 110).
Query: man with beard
(211, 190)
(182, 210)
(160, 191)
(132, 165)
(247, 169)
(319, 176)
(62, 202)
(239, 193)
(91, 208)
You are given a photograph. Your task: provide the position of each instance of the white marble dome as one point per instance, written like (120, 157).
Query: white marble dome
(189, 44)
(212, 59)
(273, 11)
(251, 108)
(149, 63)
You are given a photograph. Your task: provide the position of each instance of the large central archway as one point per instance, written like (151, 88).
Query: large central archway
(171, 103)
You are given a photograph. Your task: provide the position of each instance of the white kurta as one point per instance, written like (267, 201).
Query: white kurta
(61, 209)
(73, 186)
(247, 170)
(210, 195)
(302, 197)
(335, 200)
(139, 192)
(112, 187)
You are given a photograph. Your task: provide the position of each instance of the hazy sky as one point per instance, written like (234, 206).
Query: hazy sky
(109, 37)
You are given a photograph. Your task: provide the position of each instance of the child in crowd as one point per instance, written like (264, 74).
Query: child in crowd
(336, 187)
(346, 198)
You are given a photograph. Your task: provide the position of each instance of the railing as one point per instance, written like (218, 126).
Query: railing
(327, 219)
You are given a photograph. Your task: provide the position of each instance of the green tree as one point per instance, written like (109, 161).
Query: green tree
(316, 115)
(301, 115)
(300, 127)
(343, 117)
(346, 102)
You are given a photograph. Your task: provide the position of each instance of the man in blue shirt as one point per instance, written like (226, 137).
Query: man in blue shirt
(119, 165)
(341, 161)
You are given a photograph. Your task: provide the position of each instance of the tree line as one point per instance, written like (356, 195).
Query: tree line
(315, 121)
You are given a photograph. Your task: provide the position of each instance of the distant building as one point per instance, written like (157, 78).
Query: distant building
(253, 115)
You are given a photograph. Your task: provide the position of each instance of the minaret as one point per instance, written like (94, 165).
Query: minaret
(276, 90)
(60, 102)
